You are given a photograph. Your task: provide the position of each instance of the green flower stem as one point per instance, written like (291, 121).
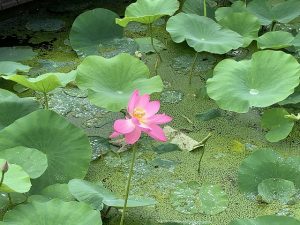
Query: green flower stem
(193, 67)
(273, 26)
(134, 148)
(152, 43)
(46, 100)
(204, 8)
(9, 199)
(203, 150)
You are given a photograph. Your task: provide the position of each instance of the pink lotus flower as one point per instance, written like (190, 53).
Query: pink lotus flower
(141, 117)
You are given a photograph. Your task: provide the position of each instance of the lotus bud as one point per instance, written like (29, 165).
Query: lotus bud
(4, 167)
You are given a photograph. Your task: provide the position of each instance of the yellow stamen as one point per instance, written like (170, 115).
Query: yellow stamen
(139, 113)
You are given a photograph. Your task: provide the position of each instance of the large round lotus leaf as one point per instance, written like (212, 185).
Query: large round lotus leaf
(60, 191)
(66, 146)
(10, 68)
(15, 179)
(267, 220)
(266, 12)
(44, 83)
(264, 164)
(244, 24)
(96, 195)
(32, 161)
(12, 107)
(16, 53)
(275, 40)
(197, 7)
(293, 98)
(53, 212)
(269, 77)
(236, 7)
(191, 198)
(147, 11)
(202, 33)
(110, 82)
(275, 189)
(91, 28)
(279, 127)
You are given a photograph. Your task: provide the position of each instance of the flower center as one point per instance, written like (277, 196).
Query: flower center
(139, 113)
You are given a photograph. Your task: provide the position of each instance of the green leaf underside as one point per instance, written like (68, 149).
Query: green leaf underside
(67, 147)
(96, 195)
(110, 82)
(44, 83)
(15, 179)
(145, 46)
(9, 68)
(279, 127)
(147, 11)
(92, 28)
(264, 164)
(16, 53)
(202, 34)
(275, 40)
(283, 12)
(275, 189)
(33, 161)
(244, 24)
(254, 83)
(267, 220)
(12, 107)
(52, 212)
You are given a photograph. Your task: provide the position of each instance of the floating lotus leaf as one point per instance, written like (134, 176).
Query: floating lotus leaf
(52, 212)
(32, 161)
(12, 107)
(244, 24)
(264, 164)
(147, 11)
(110, 82)
(96, 195)
(47, 24)
(202, 33)
(236, 7)
(10, 68)
(275, 189)
(279, 127)
(60, 191)
(15, 179)
(197, 7)
(16, 53)
(266, 12)
(267, 220)
(145, 46)
(259, 82)
(66, 146)
(275, 40)
(92, 28)
(191, 198)
(44, 83)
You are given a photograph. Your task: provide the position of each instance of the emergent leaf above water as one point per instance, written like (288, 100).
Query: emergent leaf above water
(110, 82)
(91, 28)
(147, 11)
(202, 34)
(269, 77)
(66, 146)
(275, 40)
(52, 212)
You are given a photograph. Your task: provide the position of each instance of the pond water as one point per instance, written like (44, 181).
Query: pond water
(169, 177)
